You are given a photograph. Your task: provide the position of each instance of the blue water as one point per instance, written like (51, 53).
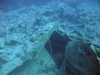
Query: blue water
(9, 5)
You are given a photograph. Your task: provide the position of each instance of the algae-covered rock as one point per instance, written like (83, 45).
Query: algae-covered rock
(80, 59)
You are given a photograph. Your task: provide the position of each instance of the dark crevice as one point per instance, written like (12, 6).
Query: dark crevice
(56, 47)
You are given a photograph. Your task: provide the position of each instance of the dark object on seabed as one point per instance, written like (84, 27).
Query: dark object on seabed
(79, 59)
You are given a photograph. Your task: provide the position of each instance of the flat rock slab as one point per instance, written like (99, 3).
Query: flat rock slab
(43, 65)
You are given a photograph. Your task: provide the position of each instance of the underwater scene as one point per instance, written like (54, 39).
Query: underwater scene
(49, 37)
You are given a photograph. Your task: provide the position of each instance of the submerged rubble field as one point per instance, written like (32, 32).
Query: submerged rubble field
(25, 31)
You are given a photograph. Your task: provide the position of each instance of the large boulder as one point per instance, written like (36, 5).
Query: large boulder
(80, 59)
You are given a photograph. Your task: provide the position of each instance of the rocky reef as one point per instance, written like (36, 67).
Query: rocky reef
(25, 31)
